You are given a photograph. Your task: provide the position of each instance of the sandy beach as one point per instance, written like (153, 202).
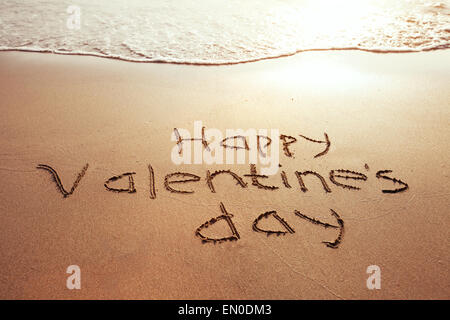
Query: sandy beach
(380, 111)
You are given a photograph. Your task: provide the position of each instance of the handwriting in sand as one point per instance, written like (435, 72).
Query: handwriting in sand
(172, 182)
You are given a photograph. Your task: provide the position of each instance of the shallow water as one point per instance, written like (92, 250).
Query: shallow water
(221, 32)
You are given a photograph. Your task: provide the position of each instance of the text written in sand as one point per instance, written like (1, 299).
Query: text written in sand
(182, 183)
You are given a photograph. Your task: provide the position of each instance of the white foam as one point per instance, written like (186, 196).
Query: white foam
(223, 31)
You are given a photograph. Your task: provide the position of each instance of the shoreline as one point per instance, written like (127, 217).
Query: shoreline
(216, 64)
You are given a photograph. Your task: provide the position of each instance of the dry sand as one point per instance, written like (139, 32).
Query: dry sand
(389, 111)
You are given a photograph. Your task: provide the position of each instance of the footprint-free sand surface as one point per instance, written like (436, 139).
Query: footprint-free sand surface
(87, 178)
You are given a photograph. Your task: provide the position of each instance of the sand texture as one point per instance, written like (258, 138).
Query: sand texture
(86, 151)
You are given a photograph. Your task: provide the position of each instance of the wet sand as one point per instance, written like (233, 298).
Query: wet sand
(380, 112)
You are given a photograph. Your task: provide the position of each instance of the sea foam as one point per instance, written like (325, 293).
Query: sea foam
(221, 32)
